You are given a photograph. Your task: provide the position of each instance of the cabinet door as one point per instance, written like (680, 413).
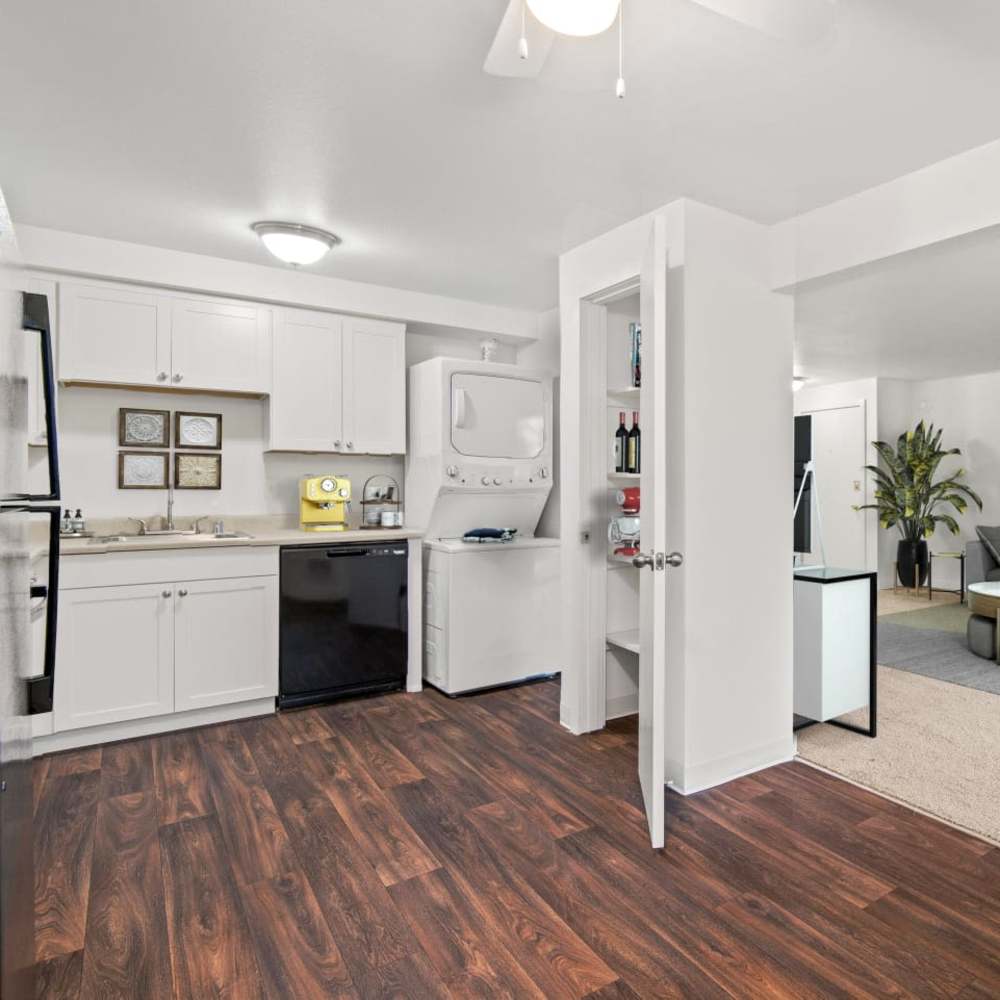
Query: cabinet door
(305, 406)
(374, 387)
(226, 641)
(220, 346)
(115, 655)
(113, 335)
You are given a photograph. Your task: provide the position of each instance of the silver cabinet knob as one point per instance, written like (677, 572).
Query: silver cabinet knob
(641, 561)
(167, 593)
(497, 482)
(675, 559)
(485, 480)
(452, 471)
(182, 592)
(350, 444)
(543, 472)
(178, 377)
(336, 443)
(161, 376)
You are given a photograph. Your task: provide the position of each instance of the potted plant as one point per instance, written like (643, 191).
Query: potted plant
(907, 497)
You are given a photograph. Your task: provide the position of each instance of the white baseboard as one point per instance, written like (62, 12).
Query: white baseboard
(711, 773)
(626, 704)
(73, 739)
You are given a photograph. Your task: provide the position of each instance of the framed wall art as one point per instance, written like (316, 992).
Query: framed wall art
(198, 430)
(197, 472)
(142, 470)
(143, 428)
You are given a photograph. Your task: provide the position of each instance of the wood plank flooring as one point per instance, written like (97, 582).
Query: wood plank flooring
(416, 846)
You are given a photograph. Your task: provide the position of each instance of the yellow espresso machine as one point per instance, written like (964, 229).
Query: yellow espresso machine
(324, 502)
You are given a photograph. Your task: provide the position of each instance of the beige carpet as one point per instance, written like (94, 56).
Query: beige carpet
(938, 749)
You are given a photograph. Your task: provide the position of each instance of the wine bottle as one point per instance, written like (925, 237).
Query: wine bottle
(633, 446)
(621, 436)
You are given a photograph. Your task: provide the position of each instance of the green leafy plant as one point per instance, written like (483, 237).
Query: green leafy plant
(906, 496)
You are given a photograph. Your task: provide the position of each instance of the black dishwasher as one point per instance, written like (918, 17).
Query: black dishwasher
(343, 621)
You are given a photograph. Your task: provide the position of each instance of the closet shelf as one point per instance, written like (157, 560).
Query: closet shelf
(627, 394)
(628, 640)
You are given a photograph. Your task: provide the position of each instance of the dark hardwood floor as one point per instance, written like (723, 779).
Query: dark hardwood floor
(415, 846)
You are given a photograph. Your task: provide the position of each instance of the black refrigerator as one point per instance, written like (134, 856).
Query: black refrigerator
(29, 586)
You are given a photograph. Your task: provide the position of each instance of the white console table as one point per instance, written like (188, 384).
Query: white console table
(835, 643)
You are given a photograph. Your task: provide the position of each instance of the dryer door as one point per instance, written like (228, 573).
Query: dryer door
(496, 416)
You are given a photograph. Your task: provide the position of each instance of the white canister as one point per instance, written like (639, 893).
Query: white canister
(392, 519)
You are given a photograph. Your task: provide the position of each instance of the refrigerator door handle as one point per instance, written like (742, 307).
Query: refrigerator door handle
(40, 689)
(35, 319)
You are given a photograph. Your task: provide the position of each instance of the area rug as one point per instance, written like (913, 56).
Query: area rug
(942, 654)
(938, 750)
(950, 617)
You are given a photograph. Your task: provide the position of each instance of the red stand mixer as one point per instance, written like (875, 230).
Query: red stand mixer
(623, 531)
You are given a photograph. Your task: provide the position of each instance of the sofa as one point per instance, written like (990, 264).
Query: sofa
(980, 566)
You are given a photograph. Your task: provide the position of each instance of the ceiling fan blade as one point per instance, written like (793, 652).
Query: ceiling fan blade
(504, 58)
(790, 20)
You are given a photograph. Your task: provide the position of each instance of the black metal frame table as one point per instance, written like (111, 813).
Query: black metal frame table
(960, 556)
(824, 576)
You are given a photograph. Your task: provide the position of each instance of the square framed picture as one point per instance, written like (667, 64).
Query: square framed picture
(197, 472)
(198, 430)
(142, 470)
(143, 428)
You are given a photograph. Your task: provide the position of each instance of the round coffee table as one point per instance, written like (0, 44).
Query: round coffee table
(984, 601)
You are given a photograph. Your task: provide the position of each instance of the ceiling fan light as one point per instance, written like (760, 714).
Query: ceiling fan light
(293, 243)
(575, 17)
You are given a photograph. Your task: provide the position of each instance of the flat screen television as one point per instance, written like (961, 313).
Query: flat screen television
(803, 453)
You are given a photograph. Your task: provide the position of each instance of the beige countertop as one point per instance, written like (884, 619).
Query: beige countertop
(272, 530)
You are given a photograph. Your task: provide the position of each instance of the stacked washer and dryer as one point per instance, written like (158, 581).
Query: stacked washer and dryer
(480, 456)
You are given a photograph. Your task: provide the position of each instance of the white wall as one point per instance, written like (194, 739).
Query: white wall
(968, 410)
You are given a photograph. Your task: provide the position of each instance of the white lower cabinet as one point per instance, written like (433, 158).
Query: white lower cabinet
(225, 641)
(144, 649)
(115, 655)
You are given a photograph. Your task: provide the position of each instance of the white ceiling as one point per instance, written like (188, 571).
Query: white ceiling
(178, 124)
(931, 313)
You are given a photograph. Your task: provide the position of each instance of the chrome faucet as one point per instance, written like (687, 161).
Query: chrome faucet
(196, 523)
(141, 523)
(169, 526)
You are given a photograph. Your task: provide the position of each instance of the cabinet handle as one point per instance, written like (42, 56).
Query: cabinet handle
(167, 593)
(161, 377)
(182, 592)
(350, 444)
(336, 443)
(178, 377)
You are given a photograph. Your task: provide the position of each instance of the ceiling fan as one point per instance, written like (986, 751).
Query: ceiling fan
(528, 28)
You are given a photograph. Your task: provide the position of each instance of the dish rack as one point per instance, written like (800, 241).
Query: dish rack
(380, 493)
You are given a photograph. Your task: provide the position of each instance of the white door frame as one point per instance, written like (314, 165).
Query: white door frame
(584, 689)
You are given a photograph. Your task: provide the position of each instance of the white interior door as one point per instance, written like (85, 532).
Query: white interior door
(653, 580)
(839, 450)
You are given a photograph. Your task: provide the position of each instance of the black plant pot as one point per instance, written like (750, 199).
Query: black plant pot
(911, 563)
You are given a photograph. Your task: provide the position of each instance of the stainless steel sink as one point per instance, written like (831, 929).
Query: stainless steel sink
(226, 534)
(166, 532)
(109, 539)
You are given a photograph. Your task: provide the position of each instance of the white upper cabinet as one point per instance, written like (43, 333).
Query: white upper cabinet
(374, 387)
(220, 346)
(306, 406)
(339, 384)
(127, 336)
(114, 335)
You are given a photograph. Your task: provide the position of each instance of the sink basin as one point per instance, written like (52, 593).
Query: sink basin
(166, 532)
(108, 539)
(227, 534)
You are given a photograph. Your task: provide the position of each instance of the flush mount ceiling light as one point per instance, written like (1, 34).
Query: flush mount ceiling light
(295, 244)
(575, 17)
